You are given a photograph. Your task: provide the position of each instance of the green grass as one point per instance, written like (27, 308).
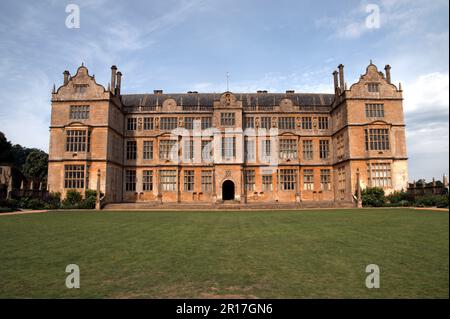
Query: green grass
(304, 254)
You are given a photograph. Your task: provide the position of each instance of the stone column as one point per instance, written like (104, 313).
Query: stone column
(358, 190)
(97, 200)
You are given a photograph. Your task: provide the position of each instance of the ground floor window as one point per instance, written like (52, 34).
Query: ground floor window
(287, 179)
(147, 181)
(189, 181)
(74, 176)
(325, 179)
(379, 174)
(249, 176)
(168, 180)
(267, 183)
(308, 179)
(130, 180)
(207, 181)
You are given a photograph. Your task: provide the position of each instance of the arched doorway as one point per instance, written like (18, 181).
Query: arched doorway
(228, 190)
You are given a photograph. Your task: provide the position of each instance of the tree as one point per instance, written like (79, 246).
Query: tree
(5, 149)
(36, 165)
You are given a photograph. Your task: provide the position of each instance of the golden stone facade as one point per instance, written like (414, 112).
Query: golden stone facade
(245, 147)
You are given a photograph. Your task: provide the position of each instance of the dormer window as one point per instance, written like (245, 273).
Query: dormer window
(373, 87)
(80, 88)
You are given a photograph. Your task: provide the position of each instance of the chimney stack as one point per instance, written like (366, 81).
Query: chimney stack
(119, 81)
(387, 68)
(341, 77)
(113, 78)
(336, 82)
(66, 77)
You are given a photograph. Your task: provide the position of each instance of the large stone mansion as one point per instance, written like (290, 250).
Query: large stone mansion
(212, 147)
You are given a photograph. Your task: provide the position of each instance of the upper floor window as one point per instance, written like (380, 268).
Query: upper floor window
(77, 141)
(288, 149)
(79, 112)
(249, 150)
(131, 124)
(374, 110)
(286, 123)
(188, 150)
(227, 119)
(228, 147)
(147, 150)
(168, 123)
(266, 122)
(306, 123)
(373, 87)
(168, 149)
(131, 150)
(206, 123)
(207, 150)
(249, 122)
(148, 123)
(323, 123)
(81, 88)
(324, 149)
(189, 123)
(266, 150)
(307, 149)
(377, 139)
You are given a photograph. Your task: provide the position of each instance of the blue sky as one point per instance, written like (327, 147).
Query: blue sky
(181, 45)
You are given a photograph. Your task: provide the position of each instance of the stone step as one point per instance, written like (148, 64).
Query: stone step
(225, 206)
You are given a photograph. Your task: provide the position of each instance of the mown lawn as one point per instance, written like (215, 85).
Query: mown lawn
(304, 254)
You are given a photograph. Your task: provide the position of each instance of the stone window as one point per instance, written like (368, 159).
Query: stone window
(189, 123)
(288, 149)
(306, 123)
(76, 141)
(249, 150)
(206, 123)
(373, 87)
(131, 124)
(374, 110)
(147, 181)
(228, 147)
(81, 88)
(79, 112)
(267, 184)
(307, 150)
(249, 179)
(377, 139)
(341, 182)
(249, 122)
(131, 150)
(227, 119)
(189, 180)
(188, 149)
(286, 123)
(168, 123)
(74, 176)
(340, 147)
(130, 180)
(287, 179)
(266, 122)
(325, 179)
(168, 149)
(266, 148)
(324, 149)
(168, 180)
(207, 150)
(207, 181)
(148, 123)
(308, 179)
(323, 123)
(379, 174)
(147, 150)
